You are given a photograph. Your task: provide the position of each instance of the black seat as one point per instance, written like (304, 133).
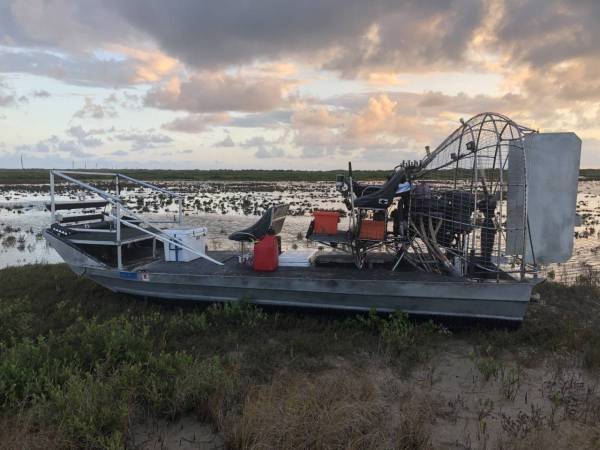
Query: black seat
(270, 222)
(382, 198)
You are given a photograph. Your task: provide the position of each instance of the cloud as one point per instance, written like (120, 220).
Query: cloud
(227, 142)
(7, 96)
(274, 152)
(7, 99)
(256, 141)
(85, 70)
(546, 32)
(373, 122)
(196, 123)
(270, 65)
(144, 140)
(93, 110)
(56, 146)
(41, 93)
(212, 35)
(271, 119)
(314, 116)
(265, 148)
(217, 92)
(86, 138)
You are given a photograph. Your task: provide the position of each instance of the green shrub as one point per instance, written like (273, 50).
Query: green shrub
(28, 373)
(90, 411)
(175, 383)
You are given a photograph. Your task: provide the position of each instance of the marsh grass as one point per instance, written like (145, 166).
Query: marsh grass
(81, 367)
(567, 322)
(89, 364)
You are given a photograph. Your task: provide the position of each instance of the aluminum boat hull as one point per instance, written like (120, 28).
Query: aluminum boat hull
(330, 288)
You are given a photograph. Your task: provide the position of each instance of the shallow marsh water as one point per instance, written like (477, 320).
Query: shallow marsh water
(224, 207)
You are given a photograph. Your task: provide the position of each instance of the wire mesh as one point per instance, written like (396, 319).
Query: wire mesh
(469, 200)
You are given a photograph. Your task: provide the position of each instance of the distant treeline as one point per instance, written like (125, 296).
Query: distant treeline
(41, 176)
(589, 174)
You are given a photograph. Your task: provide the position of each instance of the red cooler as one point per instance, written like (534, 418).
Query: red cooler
(326, 222)
(266, 254)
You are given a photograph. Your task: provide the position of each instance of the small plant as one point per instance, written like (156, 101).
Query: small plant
(510, 382)
(9, 241)
(520, 426)
(486, 363)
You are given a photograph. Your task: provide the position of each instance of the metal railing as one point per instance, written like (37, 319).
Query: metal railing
(117, 203)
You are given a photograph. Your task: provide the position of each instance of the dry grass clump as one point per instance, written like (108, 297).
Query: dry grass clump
(21, 433)
(336, 409)
(575, 439)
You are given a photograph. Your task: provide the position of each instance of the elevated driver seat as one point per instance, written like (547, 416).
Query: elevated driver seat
(383, 197)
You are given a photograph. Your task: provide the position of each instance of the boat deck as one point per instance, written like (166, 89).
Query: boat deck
(338, 271)
(102, 234)
(128, 235)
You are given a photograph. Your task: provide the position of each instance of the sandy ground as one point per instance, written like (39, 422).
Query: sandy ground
(187, 433)
(463, 401)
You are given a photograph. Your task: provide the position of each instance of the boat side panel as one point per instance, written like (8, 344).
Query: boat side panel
(507, 301)
(73, 256)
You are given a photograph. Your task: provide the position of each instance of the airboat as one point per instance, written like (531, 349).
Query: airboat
(463, 232)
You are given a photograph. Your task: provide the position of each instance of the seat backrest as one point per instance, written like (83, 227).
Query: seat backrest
(272, 219)
(278, 215)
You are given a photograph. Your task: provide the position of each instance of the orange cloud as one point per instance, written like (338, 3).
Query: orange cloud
(151, 65)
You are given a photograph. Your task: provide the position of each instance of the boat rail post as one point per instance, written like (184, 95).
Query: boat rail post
(179, 201)
(52, 203)
(119, 249)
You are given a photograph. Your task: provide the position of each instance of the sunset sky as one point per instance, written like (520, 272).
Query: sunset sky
(285, 84)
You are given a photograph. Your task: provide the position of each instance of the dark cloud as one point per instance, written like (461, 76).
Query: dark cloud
(349, 36)
(546, 32)
(76, 25)
(344, 35)
(42, 93)
(219, 34)
(212, 34)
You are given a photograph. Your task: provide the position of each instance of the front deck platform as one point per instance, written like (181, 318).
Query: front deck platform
(102, 233)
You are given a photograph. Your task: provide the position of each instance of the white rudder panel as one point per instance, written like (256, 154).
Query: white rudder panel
(552, 162)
